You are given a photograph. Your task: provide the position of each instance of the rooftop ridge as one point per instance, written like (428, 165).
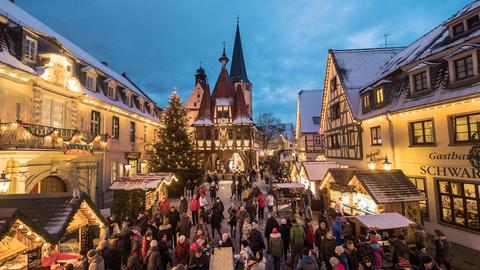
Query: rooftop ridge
(367, 49)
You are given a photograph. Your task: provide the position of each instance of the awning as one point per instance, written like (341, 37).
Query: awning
(384, 221)
(289, 185)
(147, 182)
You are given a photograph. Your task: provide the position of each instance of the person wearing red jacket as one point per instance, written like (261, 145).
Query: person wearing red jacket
(182, 251)
(146, 243)
(194, 207)
(261, 205)
(163, 206)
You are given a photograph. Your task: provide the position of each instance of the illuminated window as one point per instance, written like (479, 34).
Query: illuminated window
(463, 68)
(420, 183)
(420, 81)
(114, 174)
(376, 135)
(422, 132)
(459, 203)
(144, 133)
(115, 128)
(95, 122)
(30, 49)
(379, 95)
(464, 127)
(366, 101)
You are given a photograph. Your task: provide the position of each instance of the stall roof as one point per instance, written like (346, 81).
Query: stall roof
(388, 186)
(48, 214)
(316, 170)
(147, 182)
(341, 176)
(384, 221)
(289, 185)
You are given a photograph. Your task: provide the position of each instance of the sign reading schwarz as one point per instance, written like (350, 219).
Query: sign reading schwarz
(450, 171)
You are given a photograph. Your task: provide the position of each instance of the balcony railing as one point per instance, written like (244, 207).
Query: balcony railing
(20, 135)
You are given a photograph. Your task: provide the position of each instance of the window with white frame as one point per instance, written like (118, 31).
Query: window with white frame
(111, 91)
(89, 84)
(115, 128)
(376, 135)
(52, 112)
(30, 48)
(420, 81)
(95, 122)
(463, 68)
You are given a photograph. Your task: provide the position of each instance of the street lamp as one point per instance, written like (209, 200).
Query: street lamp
(372, 164)
(387, 165)
(4, 183)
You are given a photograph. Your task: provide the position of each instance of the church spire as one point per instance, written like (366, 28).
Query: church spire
(223, 59)
(238, 72)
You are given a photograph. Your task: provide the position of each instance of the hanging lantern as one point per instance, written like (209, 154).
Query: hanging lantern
(387, 165)
(372, 164)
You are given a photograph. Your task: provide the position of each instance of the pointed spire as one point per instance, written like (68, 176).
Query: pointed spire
(223, 59)
(241, 112)
(200, 76)
(238, 72)
(204, 116)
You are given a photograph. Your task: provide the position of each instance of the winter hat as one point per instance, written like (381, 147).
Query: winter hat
(153, 243)
(404, 263)
(91, 253)
(339, 250)
(283, 221)
(333, 261)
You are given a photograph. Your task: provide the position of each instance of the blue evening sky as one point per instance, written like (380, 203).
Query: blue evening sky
(159, 43)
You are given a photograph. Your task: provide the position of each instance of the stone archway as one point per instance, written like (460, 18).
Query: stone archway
(50, 184)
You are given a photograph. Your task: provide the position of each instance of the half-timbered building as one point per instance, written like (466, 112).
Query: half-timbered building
(223, 127)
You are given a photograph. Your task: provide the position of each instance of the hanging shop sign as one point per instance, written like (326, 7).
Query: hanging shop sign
(132, 155)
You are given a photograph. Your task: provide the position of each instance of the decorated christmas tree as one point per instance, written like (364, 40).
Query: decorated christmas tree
(174, 150)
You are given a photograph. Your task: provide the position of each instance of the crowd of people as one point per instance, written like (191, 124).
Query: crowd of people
(185, 238)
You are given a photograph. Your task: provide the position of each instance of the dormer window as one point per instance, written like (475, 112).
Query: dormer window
(458, 29)
(366, 101)
(463, 68)
(420, 81)
(473, 22)
(30, 49)
(89, 83)
(111, 92)
(379, 97)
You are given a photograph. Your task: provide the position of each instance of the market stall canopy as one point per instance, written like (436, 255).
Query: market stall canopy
(288, 185)
(384, 221)
(146, 182)
(47, 215)
(316, 170)
(387, 186)
(337, 176)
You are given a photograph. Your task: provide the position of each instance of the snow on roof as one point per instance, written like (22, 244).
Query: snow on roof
(357, 67)
(471, 6)
(206, 122)
(310, 106)
(316, 170)
(421, 65)
(242, 120)
(12, 61)
(223, 101)
(289, 185)
(151, 181)
(464, 48)
(18, 15)
(384, 221)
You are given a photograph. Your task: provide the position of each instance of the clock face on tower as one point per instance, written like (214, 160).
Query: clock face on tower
(223, 121)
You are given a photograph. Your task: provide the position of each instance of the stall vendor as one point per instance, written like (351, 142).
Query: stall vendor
(50, 256)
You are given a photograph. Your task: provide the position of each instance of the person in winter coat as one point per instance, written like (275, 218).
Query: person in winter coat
(365, 264)
(233, 189)
(297, 242)
(307, 262)
(165, 229)
(242, 215)
(335, 264)
(226, 241)
(341, 256)
(164, 252)
(247, 227)
(183, 205)
(269, 225)
(124, 245)
(218, 205)
(256, 239)
(213, 191)
(184, 226)
(429, 264)
(377, 250)
(275, 248)
(182, 250)
(232, 220)
(420, 236)
(261, 205)
(309, 236)
(199, 261)
(253, 264)
(203, 202)
(320, 234)
(136, 243)
(202, 226)
(153, 260)
(337, 230)
(285, 232)
(216, 222)
(270, 202)
(328, 248)
(107, 254)
(442, 249)
(146, 243)
(163, 206)
(351, 253)
(244, 254)
(95, 261)
(400, 248)
(194, 207)
(173, 218)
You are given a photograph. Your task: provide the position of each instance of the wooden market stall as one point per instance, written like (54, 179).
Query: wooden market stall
(380, 222)
(295, 171)
(139, 192)
(30, 223)
(367, 192)
(288, 194)
(312, 173)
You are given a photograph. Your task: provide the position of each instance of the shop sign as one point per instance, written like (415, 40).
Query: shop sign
(132, 155)
(86, 241)
(450, 171)
(34, 258)
(77, 149)
(372, 154)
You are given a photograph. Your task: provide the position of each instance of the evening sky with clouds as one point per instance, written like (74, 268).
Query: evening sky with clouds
(160, 43)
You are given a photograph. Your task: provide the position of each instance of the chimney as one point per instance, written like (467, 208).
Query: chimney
(104, 63)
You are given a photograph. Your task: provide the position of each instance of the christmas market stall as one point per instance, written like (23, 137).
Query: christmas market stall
(288, 195)
(367, 192)
(139, 192)
(311, 174)
(40, 230)
(295, 171)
